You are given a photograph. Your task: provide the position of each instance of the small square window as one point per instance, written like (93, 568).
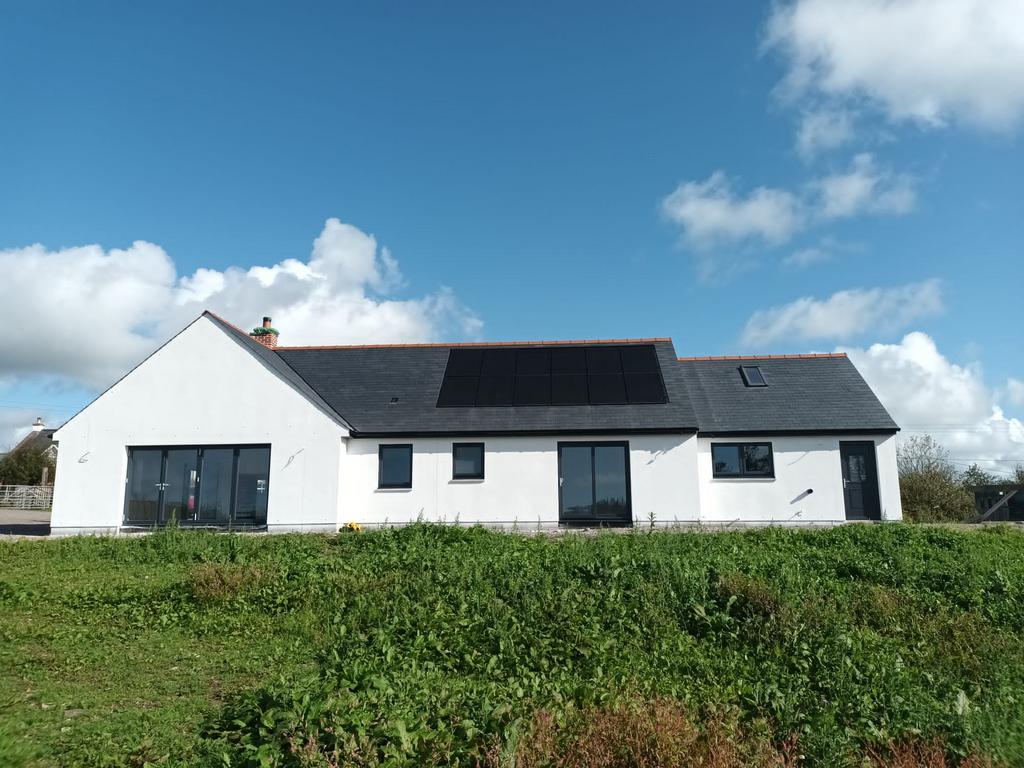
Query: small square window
(394, 466)
(467, 461)
(752, 376)
(742, 460)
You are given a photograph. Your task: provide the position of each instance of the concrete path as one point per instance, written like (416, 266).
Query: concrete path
(24, 522)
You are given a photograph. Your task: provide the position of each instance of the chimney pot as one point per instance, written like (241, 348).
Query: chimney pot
(265, 335)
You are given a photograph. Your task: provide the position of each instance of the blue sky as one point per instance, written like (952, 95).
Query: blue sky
(518, 162)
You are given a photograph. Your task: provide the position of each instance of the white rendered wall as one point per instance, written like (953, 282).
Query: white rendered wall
(202, 388)
(801, 463)
(520, 484)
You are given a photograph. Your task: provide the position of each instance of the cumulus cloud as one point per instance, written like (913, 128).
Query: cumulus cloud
(714, 216)
(711, 213)
(823, 129)
(86, 314)
(864, 188)
(844, 315)
(932, 62)
(927, 393)
(1015, 391)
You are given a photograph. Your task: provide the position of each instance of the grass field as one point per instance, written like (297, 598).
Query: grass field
(885, 645)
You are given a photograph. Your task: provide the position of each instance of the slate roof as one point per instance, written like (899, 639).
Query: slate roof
(805, 394)
(359, 383)
(35, 441)
(355, 385)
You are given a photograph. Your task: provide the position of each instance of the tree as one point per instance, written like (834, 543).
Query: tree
(25, 467)
(930, 487)
(974, 476)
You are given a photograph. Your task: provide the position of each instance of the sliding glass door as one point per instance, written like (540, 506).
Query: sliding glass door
(593, 483)
(197, 486)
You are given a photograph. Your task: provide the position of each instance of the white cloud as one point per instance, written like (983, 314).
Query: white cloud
(823, 129)
(864, 188)
(928, 61)
(807, 257)
(927, 393)
(14, 425)
(86, 314)
(1015, 391)
(845, 314)
(712, 214)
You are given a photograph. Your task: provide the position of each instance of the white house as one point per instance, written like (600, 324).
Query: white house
(220, 428)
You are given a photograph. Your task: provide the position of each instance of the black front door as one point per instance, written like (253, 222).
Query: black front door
(593, 483)
(860, 480)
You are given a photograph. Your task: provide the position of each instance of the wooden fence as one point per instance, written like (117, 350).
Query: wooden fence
(26, 496)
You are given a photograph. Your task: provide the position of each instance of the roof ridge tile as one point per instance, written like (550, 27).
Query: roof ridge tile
(798, 356)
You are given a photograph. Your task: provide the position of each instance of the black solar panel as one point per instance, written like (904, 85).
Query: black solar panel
(591, 375)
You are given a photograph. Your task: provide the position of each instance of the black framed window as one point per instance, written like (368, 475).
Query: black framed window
(467, 461)
(752, 376)
(394, 466)
(742, 460)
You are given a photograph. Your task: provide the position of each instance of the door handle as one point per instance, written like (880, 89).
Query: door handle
(846, 483)
(560, 481)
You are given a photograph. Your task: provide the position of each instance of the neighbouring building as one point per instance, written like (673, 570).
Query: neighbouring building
(40, 438)
(224, 428)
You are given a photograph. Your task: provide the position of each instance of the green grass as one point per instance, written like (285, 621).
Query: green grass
(438, 645)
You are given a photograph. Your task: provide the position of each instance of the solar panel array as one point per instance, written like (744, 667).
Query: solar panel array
(590, 375)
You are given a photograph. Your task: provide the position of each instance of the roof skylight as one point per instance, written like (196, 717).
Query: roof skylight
(752, 376)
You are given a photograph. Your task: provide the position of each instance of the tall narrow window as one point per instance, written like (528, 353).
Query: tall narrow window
(467, 461)
(394, 466)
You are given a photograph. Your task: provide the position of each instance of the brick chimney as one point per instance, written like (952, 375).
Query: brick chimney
(266, 334)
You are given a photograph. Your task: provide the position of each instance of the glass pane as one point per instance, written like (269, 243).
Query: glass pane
(468, 461)
(577, 482)
(858, 471)
(725, 459)
(215, 480)
(752, 376)
(569, 361)
(181, 477)
(603, 360)
(533, 390)
(610, 482)
(644, 388)
(143, 486)
(757, 459)
(495, 390)
(253, 486)
(569, 390)
(464, 362)
(458, 390)
(395, 466)
(606, 388)
(533, 362)
(640, 359)
(499, 362)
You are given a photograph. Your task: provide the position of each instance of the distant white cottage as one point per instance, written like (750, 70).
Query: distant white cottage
(220, 428)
